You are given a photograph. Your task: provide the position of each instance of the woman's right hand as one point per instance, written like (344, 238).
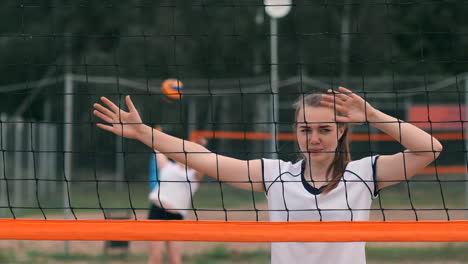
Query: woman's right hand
(125, 124)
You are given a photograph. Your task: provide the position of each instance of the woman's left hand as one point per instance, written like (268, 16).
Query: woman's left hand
(353, 108)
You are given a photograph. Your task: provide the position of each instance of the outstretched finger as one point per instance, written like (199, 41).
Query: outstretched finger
(105, 127)
(347, 92)
(333, 98)
(110, 104)
(333, 106)
(342, 96)
(104, 110)
(104, 117)
(130, 105)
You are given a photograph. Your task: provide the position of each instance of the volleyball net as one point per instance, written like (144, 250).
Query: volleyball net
(61, 178)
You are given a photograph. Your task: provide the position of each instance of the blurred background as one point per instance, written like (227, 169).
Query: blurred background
(57, 58)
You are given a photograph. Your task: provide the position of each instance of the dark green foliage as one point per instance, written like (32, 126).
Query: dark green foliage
(215, 39)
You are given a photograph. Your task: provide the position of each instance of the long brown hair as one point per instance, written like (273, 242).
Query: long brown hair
(342, 154)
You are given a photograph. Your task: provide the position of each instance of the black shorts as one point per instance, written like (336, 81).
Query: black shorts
(158, 213)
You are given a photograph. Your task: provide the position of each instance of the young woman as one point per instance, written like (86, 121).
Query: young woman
(171, 200)
(325, 185)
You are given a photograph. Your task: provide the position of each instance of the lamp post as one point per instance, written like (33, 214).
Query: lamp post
(466, 142)
(275, 9)
(68, 134)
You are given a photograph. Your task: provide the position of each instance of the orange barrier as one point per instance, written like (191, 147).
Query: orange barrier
(356, 137)
(290, 136)
(445, 170)
(144, 230)
(385, 137)
(239, 135)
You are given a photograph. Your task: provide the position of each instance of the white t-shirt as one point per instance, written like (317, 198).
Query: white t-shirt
(290, 198)
(177, 185)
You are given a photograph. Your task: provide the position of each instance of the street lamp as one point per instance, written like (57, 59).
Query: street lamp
(275, 9)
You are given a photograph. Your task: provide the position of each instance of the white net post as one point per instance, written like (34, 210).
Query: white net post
(465, 129)
(68, 138)
(18, 163)
(119, 164)
(3, 167)
(29, 186)
(276, 9)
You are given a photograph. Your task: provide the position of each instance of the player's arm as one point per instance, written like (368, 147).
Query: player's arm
(240, 173)
(421, 150)
(244, 174)
(421, 147)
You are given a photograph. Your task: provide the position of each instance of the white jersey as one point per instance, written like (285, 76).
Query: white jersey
(177, 185)
(291, 198)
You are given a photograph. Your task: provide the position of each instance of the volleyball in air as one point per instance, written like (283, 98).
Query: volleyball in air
(172, 89)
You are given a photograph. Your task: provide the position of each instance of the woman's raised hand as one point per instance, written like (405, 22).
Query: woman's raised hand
(125, 124)
(353, 108)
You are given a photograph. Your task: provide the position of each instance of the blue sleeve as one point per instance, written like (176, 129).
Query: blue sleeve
(153, 172)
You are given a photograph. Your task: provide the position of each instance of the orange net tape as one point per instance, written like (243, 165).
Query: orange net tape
(144, 230)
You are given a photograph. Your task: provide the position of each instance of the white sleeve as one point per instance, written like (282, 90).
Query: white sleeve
(272, 170)
(366, 169)
(154, 195)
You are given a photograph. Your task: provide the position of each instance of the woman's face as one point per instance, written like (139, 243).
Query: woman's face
(318, 133)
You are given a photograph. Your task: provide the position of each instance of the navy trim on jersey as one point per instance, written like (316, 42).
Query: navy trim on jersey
(263, 177)
(363, 181)
(374, 176)
(271, 183)
(311, 189)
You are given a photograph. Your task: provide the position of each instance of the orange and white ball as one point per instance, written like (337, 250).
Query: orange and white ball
(173, 89)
